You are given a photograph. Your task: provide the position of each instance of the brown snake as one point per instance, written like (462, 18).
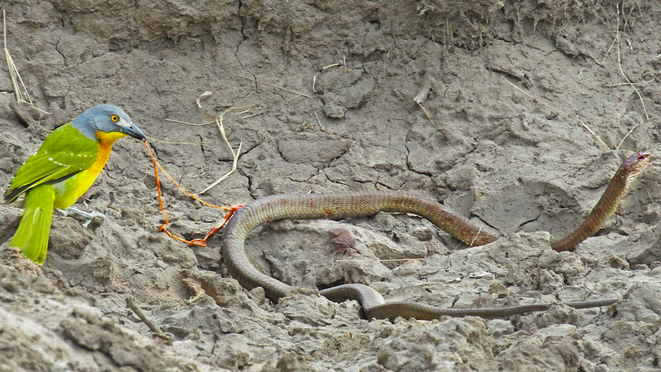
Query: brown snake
(366, 203)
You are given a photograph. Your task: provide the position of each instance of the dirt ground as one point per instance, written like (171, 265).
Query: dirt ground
(330, 87)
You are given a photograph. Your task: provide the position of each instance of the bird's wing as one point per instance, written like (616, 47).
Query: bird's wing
(64, 153)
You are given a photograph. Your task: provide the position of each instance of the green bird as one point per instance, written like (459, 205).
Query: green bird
(63, 168)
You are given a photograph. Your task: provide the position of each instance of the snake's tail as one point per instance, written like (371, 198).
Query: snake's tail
(392, 310)
(593, 303)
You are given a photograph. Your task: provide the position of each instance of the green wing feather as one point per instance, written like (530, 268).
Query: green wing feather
(32, 234)
(64, 153)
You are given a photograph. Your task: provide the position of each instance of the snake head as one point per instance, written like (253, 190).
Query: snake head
(631, 167)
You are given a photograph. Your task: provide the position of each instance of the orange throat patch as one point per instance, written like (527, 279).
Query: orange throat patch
(108, 138)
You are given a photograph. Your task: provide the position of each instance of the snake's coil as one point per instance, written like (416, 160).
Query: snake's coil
(359, 204)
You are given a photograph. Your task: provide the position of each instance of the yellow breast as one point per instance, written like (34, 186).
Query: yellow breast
(69, 190)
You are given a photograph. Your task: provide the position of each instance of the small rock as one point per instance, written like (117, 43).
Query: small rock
(334, 111)
(312, 310)
(500, 327)
(42, 284)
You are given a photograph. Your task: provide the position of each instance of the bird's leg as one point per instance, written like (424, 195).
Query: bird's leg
(88, 216)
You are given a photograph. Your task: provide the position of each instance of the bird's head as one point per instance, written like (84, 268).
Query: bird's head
(107, 121)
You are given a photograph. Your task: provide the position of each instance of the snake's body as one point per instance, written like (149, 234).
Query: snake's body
(360, 204)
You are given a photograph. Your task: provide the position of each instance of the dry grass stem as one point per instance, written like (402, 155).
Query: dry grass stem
(275, 86)
(331, 66)
(425, 111)
(202, 96)
(235, 155)
(191, 124)
(424, 91)
(292, 98)
(251, 115)
(445, 132)
(338, 64)
(318, 121)
(16, 80)
(196, 298)
(559, 112)
(421, 97)
(619, 65)
(151, 139)
(621, 84)
(226, 175)
(627, 135)
(633, 86)
(221, 128)
(608, 52)
(476, 236)
(21, 91)
(314, 81)
(196, 288)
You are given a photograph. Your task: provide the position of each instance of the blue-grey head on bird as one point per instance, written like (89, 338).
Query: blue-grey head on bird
(106, 118)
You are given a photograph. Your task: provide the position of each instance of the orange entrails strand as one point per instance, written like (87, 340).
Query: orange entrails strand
(181, 188)
(214, 230)
(163, 227)
(158, 187)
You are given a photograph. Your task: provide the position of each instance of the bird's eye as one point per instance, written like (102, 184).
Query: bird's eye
(114, 118)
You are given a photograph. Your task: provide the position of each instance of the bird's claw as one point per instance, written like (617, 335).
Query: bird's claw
(88, 216)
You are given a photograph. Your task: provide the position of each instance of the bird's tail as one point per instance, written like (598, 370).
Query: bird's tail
(32, 234)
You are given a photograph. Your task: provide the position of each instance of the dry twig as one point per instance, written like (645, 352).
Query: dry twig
(276, 86)
(152, 327)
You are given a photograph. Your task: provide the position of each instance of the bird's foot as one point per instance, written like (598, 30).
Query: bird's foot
(87, 216)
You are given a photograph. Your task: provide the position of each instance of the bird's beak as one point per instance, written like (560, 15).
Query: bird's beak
(133, 131)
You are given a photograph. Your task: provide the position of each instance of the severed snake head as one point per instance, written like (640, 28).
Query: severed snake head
(631, 167)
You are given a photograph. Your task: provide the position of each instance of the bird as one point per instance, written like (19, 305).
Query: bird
(65, 166)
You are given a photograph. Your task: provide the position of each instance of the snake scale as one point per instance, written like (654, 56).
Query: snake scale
(366, 203)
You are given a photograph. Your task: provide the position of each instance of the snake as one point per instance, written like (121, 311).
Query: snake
(366, 203)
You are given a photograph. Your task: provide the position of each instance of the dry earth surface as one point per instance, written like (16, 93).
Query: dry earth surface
(514, 165)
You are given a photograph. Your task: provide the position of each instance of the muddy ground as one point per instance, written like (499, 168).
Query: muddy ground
(524, 169)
